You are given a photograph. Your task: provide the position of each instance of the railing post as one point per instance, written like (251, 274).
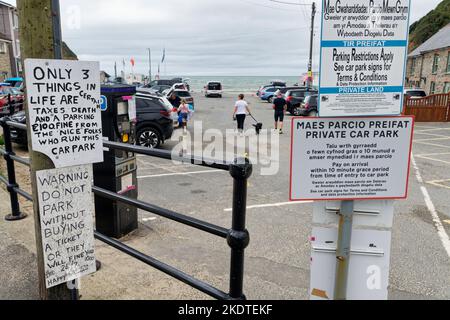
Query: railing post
(12, 106)
(12, 184)
(238, 237)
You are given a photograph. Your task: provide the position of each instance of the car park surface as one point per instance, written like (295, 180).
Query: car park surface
(277, 267)
(277, 262)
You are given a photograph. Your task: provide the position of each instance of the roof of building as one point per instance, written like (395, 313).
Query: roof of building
(2, 3)
(3, 37)
(439, 41)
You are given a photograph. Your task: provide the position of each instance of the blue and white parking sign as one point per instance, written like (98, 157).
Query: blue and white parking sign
(363, 57)
(104, 103)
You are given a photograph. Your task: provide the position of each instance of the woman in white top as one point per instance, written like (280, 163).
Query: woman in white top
(240, 112)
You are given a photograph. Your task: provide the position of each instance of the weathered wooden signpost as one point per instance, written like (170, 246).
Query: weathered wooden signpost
(65, 138)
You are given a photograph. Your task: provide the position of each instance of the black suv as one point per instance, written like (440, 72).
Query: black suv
(295, 98)
(154, 123)
(309, 106)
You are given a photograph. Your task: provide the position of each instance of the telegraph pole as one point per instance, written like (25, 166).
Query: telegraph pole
(40, 35)
(311, 45)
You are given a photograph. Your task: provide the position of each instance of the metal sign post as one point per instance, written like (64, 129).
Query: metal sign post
(362, 150)
(343, 249)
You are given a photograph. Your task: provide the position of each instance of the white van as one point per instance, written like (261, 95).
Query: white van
(214, 89)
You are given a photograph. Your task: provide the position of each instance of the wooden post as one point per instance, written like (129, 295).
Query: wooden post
(37, 31)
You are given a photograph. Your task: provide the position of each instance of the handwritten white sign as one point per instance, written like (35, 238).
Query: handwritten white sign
(66, 209)
(64, 107)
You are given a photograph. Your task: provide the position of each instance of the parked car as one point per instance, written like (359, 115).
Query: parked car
(295, 98)
(309, 107)
(167, 82)
(274, 83)
(15, 82)
(182, 94)
(180, 86)
(154, 122)
(19, 136)
(158, 89)
(414, 93)
(4, 92)
(3, 105)
(16, 96)
(268, 95)
(214, 89)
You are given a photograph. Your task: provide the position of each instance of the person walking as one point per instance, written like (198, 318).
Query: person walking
(280, 108)
(184, 111)
(241, 110)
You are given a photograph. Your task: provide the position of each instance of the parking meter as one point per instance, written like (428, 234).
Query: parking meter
(118, 172)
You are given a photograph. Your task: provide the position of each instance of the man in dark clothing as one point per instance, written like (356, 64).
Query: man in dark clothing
(175, 101)
(280, 107)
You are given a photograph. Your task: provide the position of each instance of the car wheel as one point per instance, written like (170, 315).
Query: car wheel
(270, 100)
(149, 137)
(296, 111)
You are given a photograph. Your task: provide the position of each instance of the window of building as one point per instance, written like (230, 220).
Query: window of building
(447, 87)
(15, 21)
(448, 62)
(413, 66)
(433, 87)
(435, 64)
(3, 47)
(18, 48)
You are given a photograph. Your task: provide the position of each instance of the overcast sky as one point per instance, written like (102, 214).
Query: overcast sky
(201, 37)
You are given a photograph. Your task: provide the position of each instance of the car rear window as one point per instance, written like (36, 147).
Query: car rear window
(214, 86)
(298, 94)
(183, 94)
(143, 105)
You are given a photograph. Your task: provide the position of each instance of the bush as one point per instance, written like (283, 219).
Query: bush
(2, 141)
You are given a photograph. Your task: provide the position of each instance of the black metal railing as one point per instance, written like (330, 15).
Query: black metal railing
(237, 236)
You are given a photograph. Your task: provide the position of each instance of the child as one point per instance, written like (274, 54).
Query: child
(183, 109)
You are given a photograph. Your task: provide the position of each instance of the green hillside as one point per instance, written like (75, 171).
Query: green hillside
(426, 27)
(68, 54)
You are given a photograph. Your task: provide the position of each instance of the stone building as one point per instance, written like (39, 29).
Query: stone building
(9, 33)
(5, 58)
(428, 66)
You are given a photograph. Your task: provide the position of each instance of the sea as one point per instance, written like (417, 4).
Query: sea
(237, 84)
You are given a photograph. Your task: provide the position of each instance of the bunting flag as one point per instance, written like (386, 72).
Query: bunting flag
(133, 62)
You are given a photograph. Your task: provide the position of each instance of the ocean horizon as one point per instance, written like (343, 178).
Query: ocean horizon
(245, 84)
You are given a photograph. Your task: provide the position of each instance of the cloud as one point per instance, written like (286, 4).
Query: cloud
(242, 37)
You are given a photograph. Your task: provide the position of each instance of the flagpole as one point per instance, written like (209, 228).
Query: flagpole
(150, 65)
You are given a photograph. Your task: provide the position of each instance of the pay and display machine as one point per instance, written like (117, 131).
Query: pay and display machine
(118, 172)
